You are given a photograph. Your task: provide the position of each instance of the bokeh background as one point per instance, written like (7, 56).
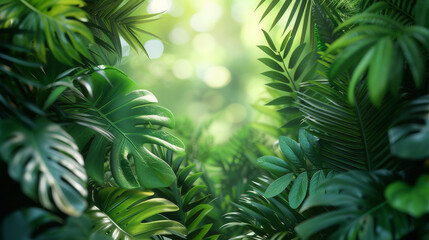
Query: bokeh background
(204, 65)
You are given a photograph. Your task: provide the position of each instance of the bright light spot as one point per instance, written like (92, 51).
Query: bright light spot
(179, 36)
(157, 6)
(221, 131)
(206, 18)
(154, 48)
(250, 33)
(204, 42)
(176, 9)
(125, 48)
(235, 113)
(240, 10)
(217, 77)
(183, 69)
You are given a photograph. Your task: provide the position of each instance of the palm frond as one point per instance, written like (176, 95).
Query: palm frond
(361, 211)
(111, 20)
(263, 218)
(131, 214)
(287, 78)
(55, 25)
(351, 137)
(372, 44)
(188, 196)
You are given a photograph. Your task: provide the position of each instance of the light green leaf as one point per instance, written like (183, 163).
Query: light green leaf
(410, 199)
(379, 69)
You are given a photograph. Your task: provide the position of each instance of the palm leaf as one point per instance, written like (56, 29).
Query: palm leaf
(302, 170)
(54, 26)
(112, 20)
(47, 162)
(351, 137)
(262, 218)
(371, 44)
(126, 214)
(288, 78)
(126, 122)
(361, 210)
(188, 196)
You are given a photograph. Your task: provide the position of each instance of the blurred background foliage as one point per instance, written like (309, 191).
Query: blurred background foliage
(204, 67)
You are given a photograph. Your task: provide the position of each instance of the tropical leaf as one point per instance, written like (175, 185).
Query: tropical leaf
(287, 80)
(47, 163)
(26, 224)
(295, 169)
(111, 20)
(412, 200)
(125, 123)
(350, 137)
(188, 196)
(125, 214)
(409, 135)
(263, 218)
(372, 44)
(361, 211)
(54, 24)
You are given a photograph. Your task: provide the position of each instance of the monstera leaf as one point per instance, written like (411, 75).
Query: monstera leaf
(410, 133)
(126, 122)
(47, 163)
(123, 214)
(361, 210)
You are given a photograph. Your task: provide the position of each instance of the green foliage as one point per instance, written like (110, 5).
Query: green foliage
(412, 200)
(361, 211)
(124, 214)
(46, 161)
(287, 80)
(26, 224)
(125, 121)
(372, 44)
(263, 218)
(55, 25)
(302, 167)
(111, 20)
(410, 132)
(351, 137)
(188, 196)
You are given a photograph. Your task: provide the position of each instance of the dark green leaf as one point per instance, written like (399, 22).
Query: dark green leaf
(278, 186)
(298, 191)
